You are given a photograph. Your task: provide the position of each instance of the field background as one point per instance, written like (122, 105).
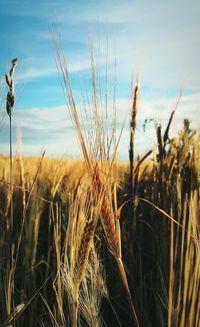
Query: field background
(97, 242)
(161, 256)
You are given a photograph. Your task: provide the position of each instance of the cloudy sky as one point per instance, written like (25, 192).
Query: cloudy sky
(155, 40)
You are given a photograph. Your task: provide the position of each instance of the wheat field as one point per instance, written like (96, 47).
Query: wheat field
(96, 242)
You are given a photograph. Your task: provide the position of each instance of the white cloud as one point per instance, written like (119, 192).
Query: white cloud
(52, 129)
(37, 72)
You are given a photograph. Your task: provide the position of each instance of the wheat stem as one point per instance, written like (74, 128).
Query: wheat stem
(10, 101)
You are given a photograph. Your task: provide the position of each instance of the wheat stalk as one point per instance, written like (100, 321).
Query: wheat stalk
(93, 153)
(132, 136)
(111, 227)
(10, 101)
(82, 223)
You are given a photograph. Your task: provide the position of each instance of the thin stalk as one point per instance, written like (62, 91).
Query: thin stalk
(10, 101)
(171, 277)
(11, 192)
(132, 136)
(75, 309)
(11, 223)
(131, 154)
(128, 294)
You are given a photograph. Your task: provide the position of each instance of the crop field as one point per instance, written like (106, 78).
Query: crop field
(97, 242)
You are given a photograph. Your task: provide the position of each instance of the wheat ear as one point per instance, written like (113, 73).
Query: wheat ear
(81, 262)
(111, 228)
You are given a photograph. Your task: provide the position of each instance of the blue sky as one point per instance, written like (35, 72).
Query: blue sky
(158, 40)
